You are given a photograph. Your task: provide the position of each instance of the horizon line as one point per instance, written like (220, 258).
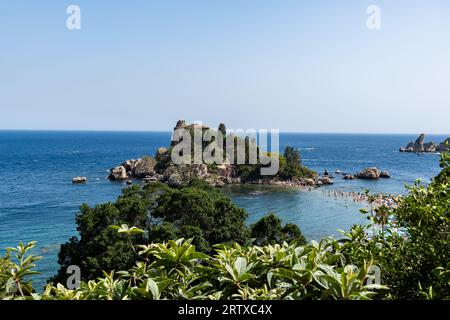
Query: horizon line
(169, 131)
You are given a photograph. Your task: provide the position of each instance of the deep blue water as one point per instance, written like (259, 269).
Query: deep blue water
(39, 202)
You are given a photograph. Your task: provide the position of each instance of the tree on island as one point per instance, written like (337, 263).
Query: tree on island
(291, 165)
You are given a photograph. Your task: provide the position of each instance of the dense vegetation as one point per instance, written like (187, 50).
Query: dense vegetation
(175, 270)
(408, 245)
(196, 211)
(290, 163)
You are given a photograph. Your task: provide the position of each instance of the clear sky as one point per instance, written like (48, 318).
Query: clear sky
(304, 66)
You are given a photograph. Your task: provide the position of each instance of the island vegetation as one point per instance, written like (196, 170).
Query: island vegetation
(161, 168)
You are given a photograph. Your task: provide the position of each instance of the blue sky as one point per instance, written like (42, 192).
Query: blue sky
(304, 66)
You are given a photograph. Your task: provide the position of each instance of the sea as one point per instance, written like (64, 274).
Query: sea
(39, 202)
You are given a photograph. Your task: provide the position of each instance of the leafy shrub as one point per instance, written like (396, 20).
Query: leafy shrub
(269, 230)
(175, 270)
(196, 211)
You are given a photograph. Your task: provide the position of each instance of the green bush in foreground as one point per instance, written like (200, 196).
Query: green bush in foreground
(175, 270)
(196, 211)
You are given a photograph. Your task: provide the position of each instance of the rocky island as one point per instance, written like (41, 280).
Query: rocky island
(291, 170)
(419, 146)
(161, 168)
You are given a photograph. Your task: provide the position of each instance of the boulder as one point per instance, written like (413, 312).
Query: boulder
(406, 149)
(368, 173)
(199, 170)
(302, 182)
(130, 165)
(234, 180)
(79, 180)
(308, 181)
(175, 180)
(325, 180)
(429, 147)
(118, 173)
(144, 167)
(225, 170)
(154, 178)
(161, 154)
(385, 174)
(349, 177)
(182, 174)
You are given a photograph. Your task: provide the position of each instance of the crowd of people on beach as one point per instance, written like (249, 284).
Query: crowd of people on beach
(377, 200)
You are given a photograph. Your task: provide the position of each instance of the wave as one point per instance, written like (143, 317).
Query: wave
(307, 149)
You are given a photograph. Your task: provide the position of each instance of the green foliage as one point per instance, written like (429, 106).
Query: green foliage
(291, 165)
(216, 218)
(100, 247)
(16, 268)
(421, 258)
(411, 242)
(157, 213)
(175, 270)
(269, 230)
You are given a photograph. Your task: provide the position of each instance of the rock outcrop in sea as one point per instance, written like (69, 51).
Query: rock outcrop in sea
(420, 146)
(371, 174)
(77, 180)
(138, 169)
(160, 168)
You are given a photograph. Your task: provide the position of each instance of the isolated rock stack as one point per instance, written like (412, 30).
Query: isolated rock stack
(419, 146)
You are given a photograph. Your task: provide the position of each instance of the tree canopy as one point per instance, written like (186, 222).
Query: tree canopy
(196, 211)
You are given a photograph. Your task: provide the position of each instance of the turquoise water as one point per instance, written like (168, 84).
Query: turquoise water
(39, 202)
(317, 214)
